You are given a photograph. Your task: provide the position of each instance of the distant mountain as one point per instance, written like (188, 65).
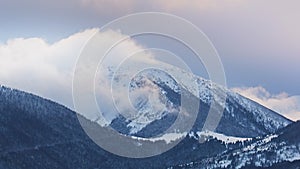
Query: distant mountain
(242, 117)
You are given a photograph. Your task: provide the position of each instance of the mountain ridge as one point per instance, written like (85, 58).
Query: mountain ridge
(251, 118)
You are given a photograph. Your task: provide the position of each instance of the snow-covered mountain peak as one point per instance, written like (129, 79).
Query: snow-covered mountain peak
(149, 99)
(155, 96)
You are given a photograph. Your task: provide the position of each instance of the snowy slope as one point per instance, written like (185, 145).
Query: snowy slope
(267, 152)
(221, 137)
(242, 117)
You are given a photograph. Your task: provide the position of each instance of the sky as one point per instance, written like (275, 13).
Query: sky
(258, 43)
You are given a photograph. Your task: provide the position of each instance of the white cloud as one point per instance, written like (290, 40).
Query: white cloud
(288, 106)
(41, 68)
(35, 66)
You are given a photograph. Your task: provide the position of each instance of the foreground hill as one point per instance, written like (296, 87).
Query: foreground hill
(278, 150)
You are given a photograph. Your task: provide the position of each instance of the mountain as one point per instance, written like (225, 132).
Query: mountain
(38, 133)
(241, 117)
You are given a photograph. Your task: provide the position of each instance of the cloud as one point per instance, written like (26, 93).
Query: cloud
(288, 106)
(41, 68)
(35, 66)
(129, 6)
(44, 69)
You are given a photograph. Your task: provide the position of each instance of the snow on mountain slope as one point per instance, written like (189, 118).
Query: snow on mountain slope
(156, 96)
(150, 100)
(267, 152)
(209, 90)
(169, 137)
(221, 137)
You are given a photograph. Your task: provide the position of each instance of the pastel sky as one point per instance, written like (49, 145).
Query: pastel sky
(258, 41)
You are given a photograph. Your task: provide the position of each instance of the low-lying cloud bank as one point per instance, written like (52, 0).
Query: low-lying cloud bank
(288, 106)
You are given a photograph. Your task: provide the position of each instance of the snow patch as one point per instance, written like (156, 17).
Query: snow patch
(222, 137)
(168, 137)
